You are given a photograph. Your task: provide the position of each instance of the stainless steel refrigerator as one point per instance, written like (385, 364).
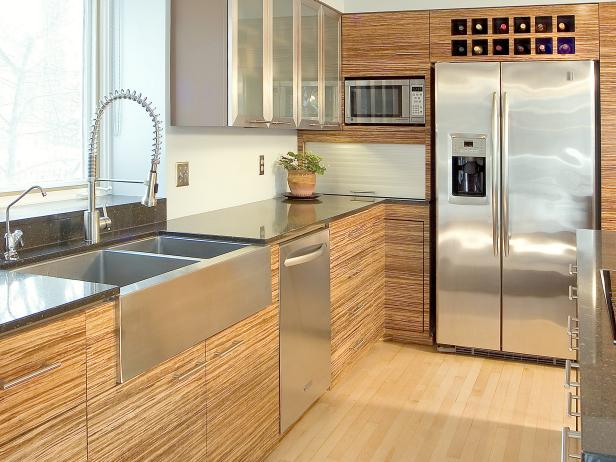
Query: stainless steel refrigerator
(515, 178)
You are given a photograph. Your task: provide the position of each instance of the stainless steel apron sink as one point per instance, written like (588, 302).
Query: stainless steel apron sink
(170, 303)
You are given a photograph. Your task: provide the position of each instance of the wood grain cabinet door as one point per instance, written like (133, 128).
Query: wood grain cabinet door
(158, 416)
(242, 389)
(42, 374)
(404, 278)
(385, 43)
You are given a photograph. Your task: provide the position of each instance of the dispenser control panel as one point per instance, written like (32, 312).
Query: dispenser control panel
(468, 167)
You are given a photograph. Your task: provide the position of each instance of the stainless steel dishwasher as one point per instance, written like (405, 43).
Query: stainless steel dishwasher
(305, 324)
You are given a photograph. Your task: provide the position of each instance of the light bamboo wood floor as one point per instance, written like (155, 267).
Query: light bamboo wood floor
(410, 403)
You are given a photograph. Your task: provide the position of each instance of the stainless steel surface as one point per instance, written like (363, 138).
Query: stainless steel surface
(92, 222)
(305, 324)
(547, 191)
(182, 247)
(168, 304)
(411, 102)
(467, 271)
(8, 384)
(108, 267)
(552, 163)
(12, 240)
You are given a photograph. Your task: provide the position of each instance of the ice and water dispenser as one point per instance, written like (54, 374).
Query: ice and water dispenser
(468, 166)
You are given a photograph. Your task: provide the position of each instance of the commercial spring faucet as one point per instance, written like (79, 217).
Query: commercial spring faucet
(12, 240)
(92, 218)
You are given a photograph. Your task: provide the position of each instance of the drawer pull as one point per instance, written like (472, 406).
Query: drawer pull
(568, 366)
(570, 327)
(573, 293)
(565, 451)
(189, 373)
(234, 346)
(357, 232)
(573, 269)
(27, 377)
(570, 399)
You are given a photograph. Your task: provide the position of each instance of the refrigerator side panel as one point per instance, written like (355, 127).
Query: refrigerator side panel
(467, 255)
(549, 166)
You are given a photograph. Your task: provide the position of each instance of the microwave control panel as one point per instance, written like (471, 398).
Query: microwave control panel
(418, 102)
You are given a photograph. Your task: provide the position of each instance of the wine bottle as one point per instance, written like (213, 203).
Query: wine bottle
(520, 49)
(461, 27)
(478, 27)
(477, 50)
(523, 26)
(462, 50)
(542, 49)
(498, 48)
(503, 28)
(562, 26)
(564, 48)
(541, 27)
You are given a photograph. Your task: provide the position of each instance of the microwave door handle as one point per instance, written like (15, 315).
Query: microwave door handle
(495, 176)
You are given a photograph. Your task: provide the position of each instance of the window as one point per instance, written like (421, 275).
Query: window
(45, 92)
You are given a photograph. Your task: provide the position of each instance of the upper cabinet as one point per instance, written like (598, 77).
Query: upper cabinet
(281, 65)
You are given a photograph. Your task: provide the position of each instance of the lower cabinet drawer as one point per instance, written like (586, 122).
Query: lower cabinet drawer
(159, 415)
(242, 389)
(42, 374)
(61, 439)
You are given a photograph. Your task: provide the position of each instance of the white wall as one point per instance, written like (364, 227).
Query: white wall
(224, 167)
(360, 6)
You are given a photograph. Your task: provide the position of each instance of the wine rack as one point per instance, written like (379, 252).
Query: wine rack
(519, 33)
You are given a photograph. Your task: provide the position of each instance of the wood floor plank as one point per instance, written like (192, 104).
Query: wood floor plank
(410, 403)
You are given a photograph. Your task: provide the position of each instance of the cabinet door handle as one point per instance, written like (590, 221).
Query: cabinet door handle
(331, 125)
(568, 366)
(5, 385)
(570, 399)
(573, 269)
(570, 327)
(280, 123)
(259, 121)
(234, 346)
(190, 372)
(565, 452)
(573, 293)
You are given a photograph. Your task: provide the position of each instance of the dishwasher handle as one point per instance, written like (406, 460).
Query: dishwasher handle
(305, 258)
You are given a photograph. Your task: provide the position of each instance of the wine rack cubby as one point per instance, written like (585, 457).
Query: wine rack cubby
(519, 33)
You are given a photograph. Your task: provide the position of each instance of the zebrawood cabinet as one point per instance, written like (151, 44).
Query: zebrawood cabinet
(357, 285)
(159, 415)
(42, 400)
(242, 389)
(386, 44)
(407, 273)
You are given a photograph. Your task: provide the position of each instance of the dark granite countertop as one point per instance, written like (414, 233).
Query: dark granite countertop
(267, 221)
(596, 250)
(26, 299)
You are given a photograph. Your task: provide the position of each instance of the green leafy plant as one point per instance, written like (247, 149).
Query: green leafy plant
(303, 161)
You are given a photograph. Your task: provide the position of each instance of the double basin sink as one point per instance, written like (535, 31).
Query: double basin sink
(174, 292)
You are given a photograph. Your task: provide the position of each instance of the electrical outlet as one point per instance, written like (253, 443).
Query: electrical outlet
(261, 165)
(181, 174)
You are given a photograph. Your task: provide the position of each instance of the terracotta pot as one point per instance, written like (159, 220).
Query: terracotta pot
(302, 183)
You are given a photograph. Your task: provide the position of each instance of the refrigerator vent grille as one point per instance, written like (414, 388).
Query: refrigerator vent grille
(509, 356)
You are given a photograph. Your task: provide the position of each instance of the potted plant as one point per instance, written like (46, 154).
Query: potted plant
(302, 168)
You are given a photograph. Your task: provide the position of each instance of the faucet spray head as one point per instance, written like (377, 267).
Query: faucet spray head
(149, 199)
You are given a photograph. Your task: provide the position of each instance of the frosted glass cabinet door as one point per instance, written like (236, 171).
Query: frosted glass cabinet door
(247, 55)
(284, 103)
(309, 64)
(331, 69)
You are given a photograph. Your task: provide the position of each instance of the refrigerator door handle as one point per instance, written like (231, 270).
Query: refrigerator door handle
(495, 176)
(505, 189)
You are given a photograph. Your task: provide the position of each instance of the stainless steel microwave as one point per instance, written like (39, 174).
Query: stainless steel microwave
(385, 101)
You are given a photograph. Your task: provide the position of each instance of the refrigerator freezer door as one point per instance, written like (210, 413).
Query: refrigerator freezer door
(468, 256)
(548, 165)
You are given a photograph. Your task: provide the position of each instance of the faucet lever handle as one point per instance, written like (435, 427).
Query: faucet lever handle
(18, 238)
(105, 221)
